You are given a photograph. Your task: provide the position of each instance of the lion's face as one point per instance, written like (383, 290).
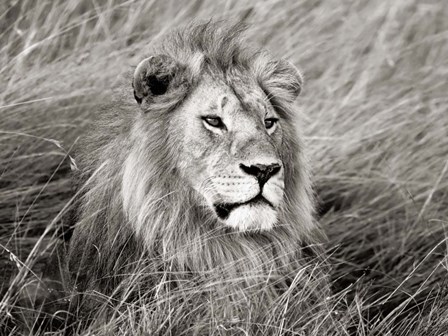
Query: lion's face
(230, 157)
(227, 136)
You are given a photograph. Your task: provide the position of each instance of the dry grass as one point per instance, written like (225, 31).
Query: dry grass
(374, 112)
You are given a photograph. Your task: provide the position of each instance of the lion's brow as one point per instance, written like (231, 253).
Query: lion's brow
(213, 106)
(246, 95)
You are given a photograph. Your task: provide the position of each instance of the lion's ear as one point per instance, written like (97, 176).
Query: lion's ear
(153, 76)
(280, 79)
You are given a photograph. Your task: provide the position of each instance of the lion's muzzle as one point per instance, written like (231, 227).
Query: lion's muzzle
(254, 200)
(223, 210)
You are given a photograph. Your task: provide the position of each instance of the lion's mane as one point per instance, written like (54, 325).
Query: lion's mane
(135, 211)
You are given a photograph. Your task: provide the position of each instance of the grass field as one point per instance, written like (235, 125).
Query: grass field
(374, 112)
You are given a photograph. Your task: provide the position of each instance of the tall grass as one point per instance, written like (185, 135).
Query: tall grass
(374, 111)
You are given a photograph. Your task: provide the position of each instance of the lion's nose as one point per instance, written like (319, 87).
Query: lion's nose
(262, 172)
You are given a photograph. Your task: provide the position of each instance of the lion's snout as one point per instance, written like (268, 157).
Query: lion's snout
(247, 197)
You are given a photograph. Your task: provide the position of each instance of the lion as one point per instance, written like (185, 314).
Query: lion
(196, 170)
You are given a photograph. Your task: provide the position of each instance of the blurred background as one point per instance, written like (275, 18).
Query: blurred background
(373, 112)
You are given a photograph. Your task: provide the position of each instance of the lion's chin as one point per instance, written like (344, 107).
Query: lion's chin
(252, 217)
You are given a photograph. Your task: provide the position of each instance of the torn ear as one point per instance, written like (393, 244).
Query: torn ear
(280, 79)
(153, 77)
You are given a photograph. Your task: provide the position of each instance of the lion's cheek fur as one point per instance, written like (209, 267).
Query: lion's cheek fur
(273, 191)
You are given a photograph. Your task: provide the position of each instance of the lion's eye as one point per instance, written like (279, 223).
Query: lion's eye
(214, 121)
(270, 122)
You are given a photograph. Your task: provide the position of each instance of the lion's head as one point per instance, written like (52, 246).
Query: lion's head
(232, 142)
(230, 124)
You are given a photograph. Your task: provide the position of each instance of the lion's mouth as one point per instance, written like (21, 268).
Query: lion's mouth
(223, 210)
